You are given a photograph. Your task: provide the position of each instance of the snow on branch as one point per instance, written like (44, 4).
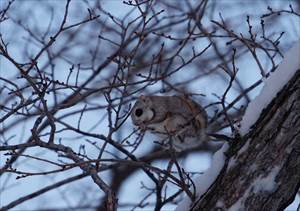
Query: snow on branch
(284, 72)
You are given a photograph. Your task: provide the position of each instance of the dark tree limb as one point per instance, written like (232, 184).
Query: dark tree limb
(262, 170)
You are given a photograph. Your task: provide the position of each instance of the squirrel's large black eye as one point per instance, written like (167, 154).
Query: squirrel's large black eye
(138, 112)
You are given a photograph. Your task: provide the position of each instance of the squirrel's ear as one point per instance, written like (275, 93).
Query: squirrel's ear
(142, 97)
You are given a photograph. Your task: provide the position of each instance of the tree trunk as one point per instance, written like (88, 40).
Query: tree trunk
(262, 169)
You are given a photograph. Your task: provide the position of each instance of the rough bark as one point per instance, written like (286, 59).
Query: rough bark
(270, 150)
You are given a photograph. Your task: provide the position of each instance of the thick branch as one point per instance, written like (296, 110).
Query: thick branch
(262, 171)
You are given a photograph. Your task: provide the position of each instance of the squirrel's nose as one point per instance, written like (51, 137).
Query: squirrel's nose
(138, 112)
